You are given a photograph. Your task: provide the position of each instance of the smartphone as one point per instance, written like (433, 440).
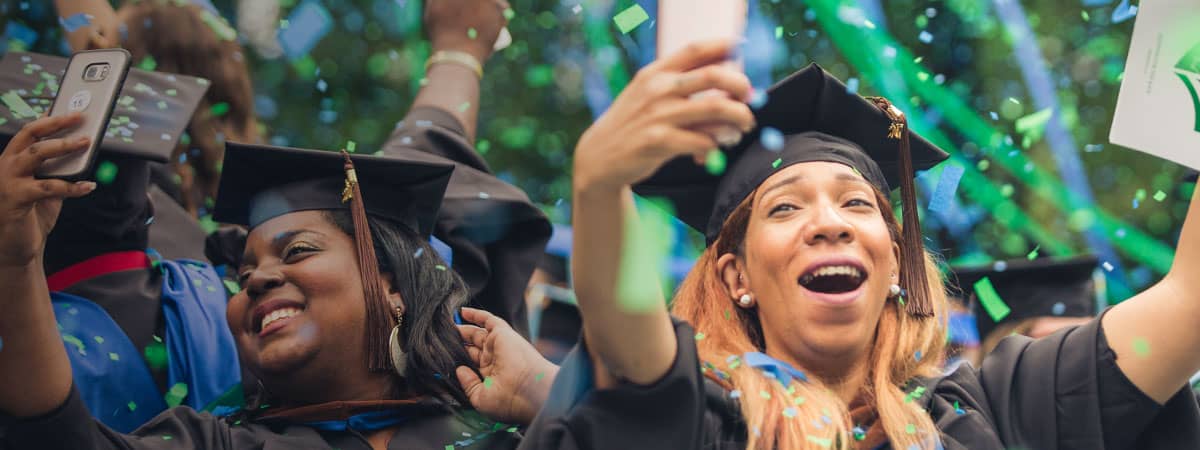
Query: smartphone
(90, 86)
(682, 22)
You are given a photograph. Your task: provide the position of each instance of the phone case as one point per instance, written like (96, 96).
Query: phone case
(153, 108)
(682, 22)
(95, 100)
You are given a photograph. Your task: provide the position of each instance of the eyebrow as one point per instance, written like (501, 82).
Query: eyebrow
(841, 177)
(278, 240)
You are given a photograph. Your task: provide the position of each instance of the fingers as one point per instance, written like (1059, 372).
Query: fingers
(678, 141)
(706, 110)
(695, 55)
(35, 155)
(721, 77)
(42, 128)
(40, 190)
(473, 335)
(485, 319)
(469, 380)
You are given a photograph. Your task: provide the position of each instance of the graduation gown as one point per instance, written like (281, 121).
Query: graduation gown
(1064, 392)
(496, 233)
(428, 425)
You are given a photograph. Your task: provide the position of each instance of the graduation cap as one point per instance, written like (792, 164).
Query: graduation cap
(152, 110)
(1061, 287)
(810, 116)
(260, 182)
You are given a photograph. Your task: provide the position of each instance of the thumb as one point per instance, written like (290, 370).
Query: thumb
(469, 380)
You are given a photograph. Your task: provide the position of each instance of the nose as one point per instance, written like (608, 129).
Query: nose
(261, 280)
(826, 225)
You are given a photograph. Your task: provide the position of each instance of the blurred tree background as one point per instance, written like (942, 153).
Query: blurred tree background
(1020, 92)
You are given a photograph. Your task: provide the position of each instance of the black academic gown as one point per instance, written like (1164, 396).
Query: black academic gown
(497, 234)
(431, 426)
(174, 233)
(1061, 392)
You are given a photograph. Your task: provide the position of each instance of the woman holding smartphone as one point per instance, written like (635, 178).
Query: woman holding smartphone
(812, 319)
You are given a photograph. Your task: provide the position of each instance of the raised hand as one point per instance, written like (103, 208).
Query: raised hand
(470, 26)
(654, 121)
(516, 378)
(29, 206)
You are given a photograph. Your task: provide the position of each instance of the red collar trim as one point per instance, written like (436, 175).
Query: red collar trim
(97, 266)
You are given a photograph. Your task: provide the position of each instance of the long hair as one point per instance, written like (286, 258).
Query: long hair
(180, 37)
(432, 292)
(806, 414)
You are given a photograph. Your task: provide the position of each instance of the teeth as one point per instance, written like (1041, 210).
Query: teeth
(832, 271)
(278, 314)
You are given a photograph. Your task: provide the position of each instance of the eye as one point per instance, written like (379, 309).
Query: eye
(783, 207)
(859, 202)
(296, 250)
(242, 277)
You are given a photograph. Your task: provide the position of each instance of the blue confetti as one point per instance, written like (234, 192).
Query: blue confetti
(758, 99)
(1058, 309)
(1000, 266)
(918, 356)
(947, 185)
(75, 21)
(772, 139)
(307, 25)
(1124, 11)
(925, 37)
(1092, 3)
(994, 115)
(852, 86)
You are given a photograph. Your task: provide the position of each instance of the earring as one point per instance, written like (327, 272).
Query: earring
(399, 359)
(745, 300)
(894, 290)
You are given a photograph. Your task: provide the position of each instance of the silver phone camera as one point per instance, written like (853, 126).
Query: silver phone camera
(96, 71)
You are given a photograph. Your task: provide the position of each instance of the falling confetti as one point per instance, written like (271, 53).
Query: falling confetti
(630, 18)
(75, 21)
(943, 194)
(176, 394)
(1141, 347)
(772, 139)
(1033, 254)
(715, 162)
(995, 307)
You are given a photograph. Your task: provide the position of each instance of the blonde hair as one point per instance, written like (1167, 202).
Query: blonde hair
(806, 414)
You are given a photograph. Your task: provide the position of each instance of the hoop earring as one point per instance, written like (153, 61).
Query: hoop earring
(396, 349)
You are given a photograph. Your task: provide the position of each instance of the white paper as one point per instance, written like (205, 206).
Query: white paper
(1158, 110)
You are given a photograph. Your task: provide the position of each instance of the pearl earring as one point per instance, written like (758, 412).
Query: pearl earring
(745, 300)
(894, 290)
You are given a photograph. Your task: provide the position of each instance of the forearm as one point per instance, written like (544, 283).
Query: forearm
(103, 18)
(637, 345)
(35, 374)
(453, 88)
(1154, 333)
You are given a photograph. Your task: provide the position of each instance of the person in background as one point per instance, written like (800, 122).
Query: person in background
(554, 316)
(1041, 297)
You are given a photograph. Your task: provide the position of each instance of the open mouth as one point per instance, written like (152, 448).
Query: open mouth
(834, 278)
(274, 315)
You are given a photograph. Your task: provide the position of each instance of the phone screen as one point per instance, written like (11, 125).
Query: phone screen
(89, 86)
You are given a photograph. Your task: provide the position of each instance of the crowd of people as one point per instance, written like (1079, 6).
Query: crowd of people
(408, 298)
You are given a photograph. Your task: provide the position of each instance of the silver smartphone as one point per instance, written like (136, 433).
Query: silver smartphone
(90, 86)
(682, 22)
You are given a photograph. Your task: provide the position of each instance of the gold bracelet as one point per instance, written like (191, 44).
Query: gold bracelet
(455, 57)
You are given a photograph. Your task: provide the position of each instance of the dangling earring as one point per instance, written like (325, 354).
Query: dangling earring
(745, 301)
(399, 359)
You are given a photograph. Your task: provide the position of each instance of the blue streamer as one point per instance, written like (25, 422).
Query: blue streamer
(943, 194)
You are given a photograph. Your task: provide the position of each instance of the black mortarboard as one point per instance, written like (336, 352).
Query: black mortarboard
(151, 113)
(1032, 288)
(260, 182)
(809, 116)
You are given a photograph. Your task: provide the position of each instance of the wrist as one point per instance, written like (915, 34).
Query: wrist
(477, 48)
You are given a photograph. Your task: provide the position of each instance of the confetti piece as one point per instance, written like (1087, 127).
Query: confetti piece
(509, 13)
(1107, 266)
(176, 394)
(1058, 309)
(219, 109)
(472, 33)
(943, 194)
(824, 442)
(156, 355)
(630, 18)
(1033, 254)
(910, 429)
(957, 409)
(132, 406)
(75, 21)
(1033, 126)
(852, 86)
(488, 382)
(232, 287)
(419, 252)
(859, 433)
(76, 342)
(699, 335)
(114, 356)
(307, 25)
(167, 437)
(925, 37)
(772, 139)
(869, 24)
(1123, 11)
(789, 412)
(439, 267)
(715, 162)
(148, 64)
(995, 307)
(98, 339)
(539, 377)
(1160, 196)
(17, 105)
(917, 356)
(775, 164)
(1141, 347)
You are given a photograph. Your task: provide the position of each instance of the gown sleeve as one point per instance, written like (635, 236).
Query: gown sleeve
(496, 233)
(1065, 391)
(71, 427)
(680, 410)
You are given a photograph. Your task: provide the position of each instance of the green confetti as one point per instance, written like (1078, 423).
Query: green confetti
(630, 18)
(219, 109)
(714, 163)
(17, 105)
(114, 356)
(448, 447)
(76, 342)
(1033, 126)
(1085, 16)
(148, 64)
(824, 442)
(156, 355)
(132, 406)
(778, 32)
(176, 394)
(232, 287)
(1160, 196)
(1141, 347)
(464, 106)
(1033, 254)
(995, 307)
(910, 429)
(167, 437)
(775, 164)
(487, 382)
(351, 146)
(539, 377)
(509, 14)
(699, 335)
(471, 33)
(439, 267)
(98, 339)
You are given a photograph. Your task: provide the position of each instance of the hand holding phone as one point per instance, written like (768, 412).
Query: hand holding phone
(90, 86)
(682, 22)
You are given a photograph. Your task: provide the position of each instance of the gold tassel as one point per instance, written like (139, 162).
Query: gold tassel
(379, 320)
(913, 277)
